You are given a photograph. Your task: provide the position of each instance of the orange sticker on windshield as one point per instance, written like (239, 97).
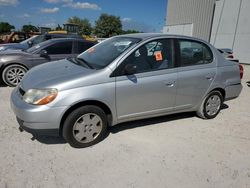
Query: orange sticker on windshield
(158, 56)
(91, 50)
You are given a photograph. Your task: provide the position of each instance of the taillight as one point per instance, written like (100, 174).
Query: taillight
(241, 71)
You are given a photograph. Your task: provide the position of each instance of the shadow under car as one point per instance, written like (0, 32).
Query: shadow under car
(125, 126)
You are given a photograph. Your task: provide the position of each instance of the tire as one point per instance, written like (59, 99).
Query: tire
(85, 126)
(13, 74)
(211, 105)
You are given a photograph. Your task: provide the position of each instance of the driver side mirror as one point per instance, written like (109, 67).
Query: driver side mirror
(130, 69)
(44, 54)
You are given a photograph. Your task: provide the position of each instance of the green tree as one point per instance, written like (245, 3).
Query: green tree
(84, 24)
(129, 31)
(107, 26)
(29, 28)
(5, 27)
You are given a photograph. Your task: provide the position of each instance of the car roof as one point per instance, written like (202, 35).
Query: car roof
(56, 40)
(63, 35)
(68, 39)
(146, 36)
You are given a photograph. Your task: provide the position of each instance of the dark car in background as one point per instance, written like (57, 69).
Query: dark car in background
(15, 63)
(28, 43)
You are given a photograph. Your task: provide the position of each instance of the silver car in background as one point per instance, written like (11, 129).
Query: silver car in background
(228, 54)
(121, 79)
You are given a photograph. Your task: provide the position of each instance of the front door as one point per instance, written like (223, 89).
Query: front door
(152, 89)
(60, 50)
(56, 51)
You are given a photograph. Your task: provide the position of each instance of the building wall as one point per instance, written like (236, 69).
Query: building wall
(231, 27)
(180, 29)
(199, 13)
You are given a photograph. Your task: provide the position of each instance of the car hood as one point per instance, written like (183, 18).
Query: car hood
(58, 74)
(14, 56)
(4, 47)
(15, 52)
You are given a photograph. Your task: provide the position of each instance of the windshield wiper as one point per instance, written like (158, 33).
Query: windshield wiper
(82, 61)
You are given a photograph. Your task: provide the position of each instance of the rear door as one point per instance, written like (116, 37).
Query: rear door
(82, 46)
(196, 72)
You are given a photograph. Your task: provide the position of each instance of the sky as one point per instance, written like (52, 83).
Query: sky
(141, 15)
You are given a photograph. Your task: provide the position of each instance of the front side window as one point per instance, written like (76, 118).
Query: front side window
(153, 56)
(194, 53)
(60, 48)
(37, 40)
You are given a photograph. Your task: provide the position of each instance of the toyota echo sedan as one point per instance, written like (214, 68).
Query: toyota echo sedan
(121, 79)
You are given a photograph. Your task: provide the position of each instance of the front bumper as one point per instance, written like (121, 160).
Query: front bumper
(43, 120)
(49, 132)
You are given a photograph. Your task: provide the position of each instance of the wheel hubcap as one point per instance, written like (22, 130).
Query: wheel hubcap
(15, 75)
(87, 128)
(213, 105)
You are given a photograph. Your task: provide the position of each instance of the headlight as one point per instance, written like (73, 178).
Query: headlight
(40, 96)
(2, 60)
(2, 48)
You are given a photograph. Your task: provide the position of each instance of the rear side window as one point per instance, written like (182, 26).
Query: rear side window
(60, 48)
(194, 53)
(83, 46)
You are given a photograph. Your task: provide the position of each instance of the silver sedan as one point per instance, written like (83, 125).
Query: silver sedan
(121, 79)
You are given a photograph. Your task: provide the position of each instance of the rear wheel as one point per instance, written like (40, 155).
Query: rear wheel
(211, 105)
(85, 126)
(13, 74)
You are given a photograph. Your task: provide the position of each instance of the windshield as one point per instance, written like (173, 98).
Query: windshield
(34, 40)
(29, 39)
(107, 51)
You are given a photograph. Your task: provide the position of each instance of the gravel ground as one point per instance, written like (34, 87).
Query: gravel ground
(172, 151)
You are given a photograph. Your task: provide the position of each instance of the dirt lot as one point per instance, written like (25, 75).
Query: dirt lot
(173, 151)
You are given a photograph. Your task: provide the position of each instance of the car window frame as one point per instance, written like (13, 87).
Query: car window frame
(117, 71)
(55, 43)
(178, 52)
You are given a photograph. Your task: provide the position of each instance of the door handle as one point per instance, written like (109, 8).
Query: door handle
(209, 78)
(169, 84)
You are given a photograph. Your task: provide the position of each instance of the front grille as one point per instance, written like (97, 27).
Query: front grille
(21, 91)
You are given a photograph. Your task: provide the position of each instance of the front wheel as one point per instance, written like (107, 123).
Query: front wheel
(85, 126)
(211, 105)
(13, 74)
